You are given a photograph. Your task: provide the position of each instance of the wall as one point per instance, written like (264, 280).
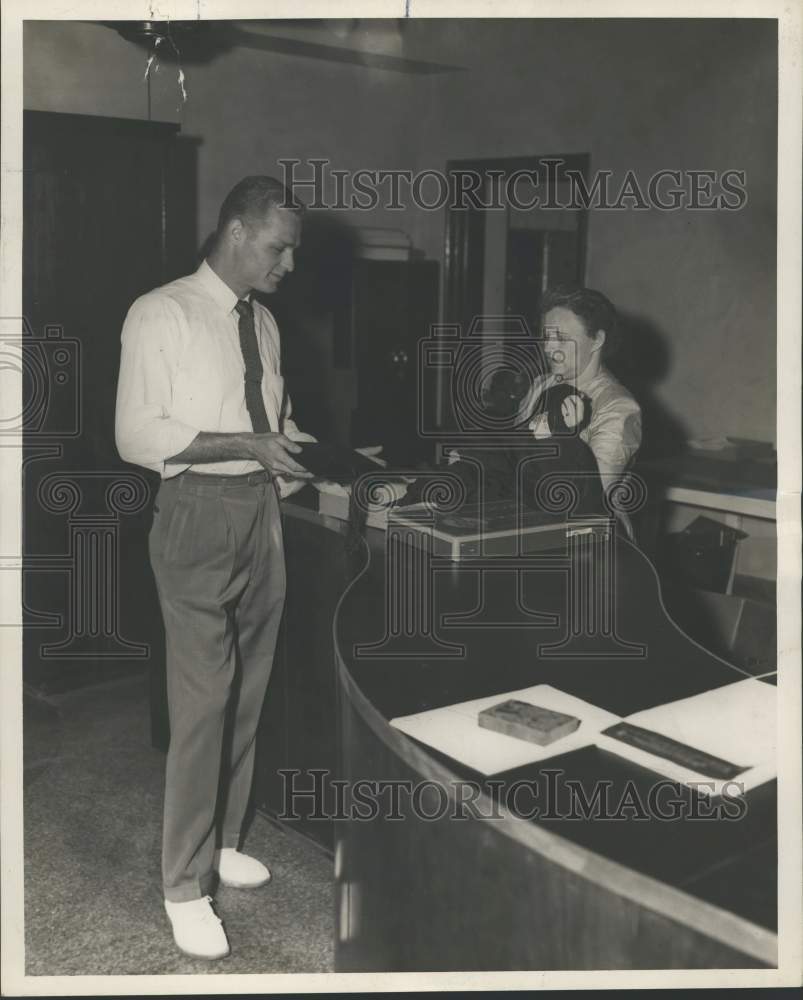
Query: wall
(644, 96)
(247, 109)
(635, 95)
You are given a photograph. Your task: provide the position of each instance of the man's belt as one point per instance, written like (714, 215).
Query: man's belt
(245, 479)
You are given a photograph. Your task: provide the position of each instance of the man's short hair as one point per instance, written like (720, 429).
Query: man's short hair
(252, 198)
(595, 310)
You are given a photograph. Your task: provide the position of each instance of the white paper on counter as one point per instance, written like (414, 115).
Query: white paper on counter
(455, 731)
(736, 723)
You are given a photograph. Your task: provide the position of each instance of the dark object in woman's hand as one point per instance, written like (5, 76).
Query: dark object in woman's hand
(568, 410)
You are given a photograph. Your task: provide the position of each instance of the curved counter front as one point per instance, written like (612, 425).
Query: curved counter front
(439, 868)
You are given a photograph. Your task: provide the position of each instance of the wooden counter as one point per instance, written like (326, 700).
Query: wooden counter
(508, 892)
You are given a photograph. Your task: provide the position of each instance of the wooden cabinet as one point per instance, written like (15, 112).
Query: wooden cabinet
(109, 213)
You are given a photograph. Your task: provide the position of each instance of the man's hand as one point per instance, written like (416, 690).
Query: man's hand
(273, 452)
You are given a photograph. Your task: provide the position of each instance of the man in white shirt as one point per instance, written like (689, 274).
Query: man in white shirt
(201, 400)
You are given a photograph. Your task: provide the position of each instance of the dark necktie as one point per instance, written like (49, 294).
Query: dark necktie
(253, 368)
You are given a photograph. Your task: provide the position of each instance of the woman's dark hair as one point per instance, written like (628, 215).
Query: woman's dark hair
(592, 307)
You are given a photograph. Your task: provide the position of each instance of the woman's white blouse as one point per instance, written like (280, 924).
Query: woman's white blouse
(614, 433)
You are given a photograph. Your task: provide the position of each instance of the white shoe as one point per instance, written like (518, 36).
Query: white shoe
(197, 929)
(239, 871)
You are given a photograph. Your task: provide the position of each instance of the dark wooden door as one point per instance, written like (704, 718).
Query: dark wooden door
(109, 210)
(394, 304)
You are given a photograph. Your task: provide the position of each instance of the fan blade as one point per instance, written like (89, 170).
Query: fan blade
(334, 53)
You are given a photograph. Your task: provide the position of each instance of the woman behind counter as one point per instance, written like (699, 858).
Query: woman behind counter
(580, 330)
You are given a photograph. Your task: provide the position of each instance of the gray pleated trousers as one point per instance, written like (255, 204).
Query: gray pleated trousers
(217, 555)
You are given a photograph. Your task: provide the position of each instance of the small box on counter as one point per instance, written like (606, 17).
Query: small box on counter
(527, 722)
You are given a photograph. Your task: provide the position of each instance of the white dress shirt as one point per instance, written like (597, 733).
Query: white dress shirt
(614, 433)
(182, 371)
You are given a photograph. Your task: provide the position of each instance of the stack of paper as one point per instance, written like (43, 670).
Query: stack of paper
(383, 244)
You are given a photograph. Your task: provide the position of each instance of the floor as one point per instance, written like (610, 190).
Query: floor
(93, 903)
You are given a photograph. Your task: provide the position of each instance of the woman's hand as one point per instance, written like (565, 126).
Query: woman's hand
(572, 410)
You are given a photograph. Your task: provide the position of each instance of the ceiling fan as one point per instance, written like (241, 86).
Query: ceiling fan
(201, 41)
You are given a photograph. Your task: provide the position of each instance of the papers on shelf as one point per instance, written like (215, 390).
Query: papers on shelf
(383, 244)
(454, 730)
(735, 723)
